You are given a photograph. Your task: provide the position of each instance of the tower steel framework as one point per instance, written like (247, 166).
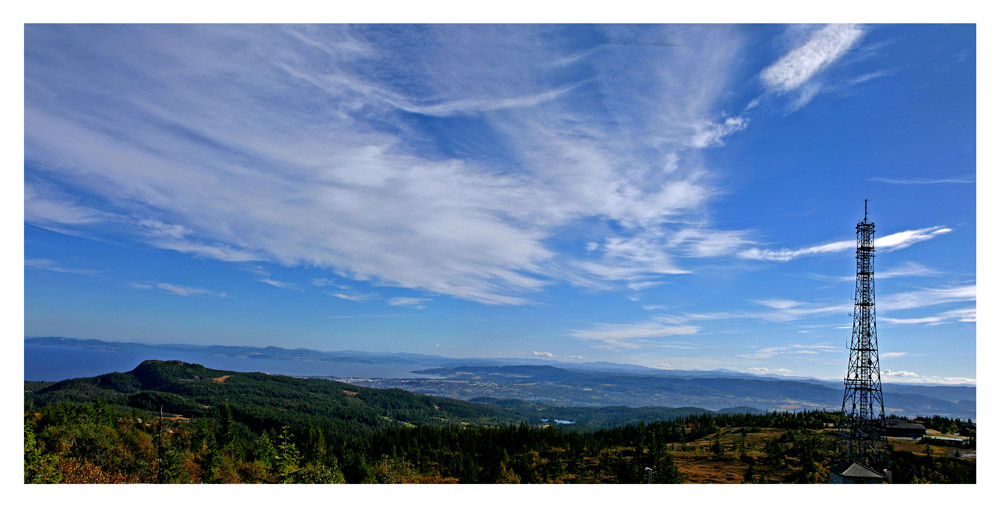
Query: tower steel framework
(861, 439)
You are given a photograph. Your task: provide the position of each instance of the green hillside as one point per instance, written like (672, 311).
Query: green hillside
(262, 401)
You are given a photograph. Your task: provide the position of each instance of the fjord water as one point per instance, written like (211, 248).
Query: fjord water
(54, 362)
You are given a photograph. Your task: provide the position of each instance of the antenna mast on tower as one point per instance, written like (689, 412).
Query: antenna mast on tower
(861, 441)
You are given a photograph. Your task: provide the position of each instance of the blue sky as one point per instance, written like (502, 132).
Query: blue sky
(676, 196)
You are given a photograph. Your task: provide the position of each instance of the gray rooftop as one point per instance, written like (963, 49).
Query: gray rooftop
(858, 470)
(903, 425)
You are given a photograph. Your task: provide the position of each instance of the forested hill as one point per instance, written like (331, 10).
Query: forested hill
(263, 401)
(221, 426)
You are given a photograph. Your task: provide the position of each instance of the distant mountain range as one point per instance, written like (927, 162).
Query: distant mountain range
(559, 386)
(534, 380)
(46, 359)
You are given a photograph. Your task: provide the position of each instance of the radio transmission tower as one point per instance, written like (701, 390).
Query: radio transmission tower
(862, 449)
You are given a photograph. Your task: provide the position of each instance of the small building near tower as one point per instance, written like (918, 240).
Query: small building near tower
(857, 474)
(903, 429)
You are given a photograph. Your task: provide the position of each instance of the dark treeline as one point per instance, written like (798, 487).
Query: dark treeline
(101, 443)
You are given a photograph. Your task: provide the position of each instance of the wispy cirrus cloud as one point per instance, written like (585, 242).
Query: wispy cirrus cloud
(365, 316)
(906, 238)
(903, 270)
(823, 47)
(316, 146)
(971, 179)
(410, 302)
(215, 250)
(769, 352)
(788, 310)
(632, 335)
(178, 290)
(641, 260)
(905, 376)
(961, 315)
(51, 265)
(713, 134)
(769, 371)
(888, 243)
(326, 282)
(278, 283)
(798, 70)
(927, 297)
(779, 304)
(355, 296)
(48, 207)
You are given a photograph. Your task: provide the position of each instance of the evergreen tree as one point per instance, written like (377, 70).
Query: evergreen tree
(288, 461)
(664, 469)
(226, 431)
(750, 475)
(356, 469)
(315, 449)
(264, 451)
(717, 450)
(39, 468)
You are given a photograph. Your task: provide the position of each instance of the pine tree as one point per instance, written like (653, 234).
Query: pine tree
(664, 469)
(749, 476)
(315, 444)
(265, 451)
(288, 460)
(39, 468)
(226, 433)
(717, 450)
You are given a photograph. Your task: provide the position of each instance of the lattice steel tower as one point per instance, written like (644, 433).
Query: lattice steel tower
(862, 429)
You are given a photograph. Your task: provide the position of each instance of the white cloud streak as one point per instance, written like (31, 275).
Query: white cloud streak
(769, 352)
(927, 297)
(277, 283)
(178, 290)
(961, 315)
(47, 207)
(824, 47)
(786, 310)
(51, 265)
(780, 304)
(904, 376)
(627, 335)
(356, 297)
(903, 270)
(924, 181)
(888, 243)
(409, 302)
(769, 371)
